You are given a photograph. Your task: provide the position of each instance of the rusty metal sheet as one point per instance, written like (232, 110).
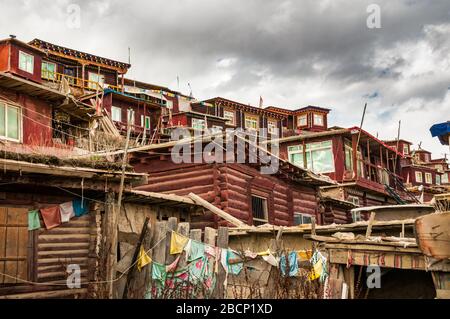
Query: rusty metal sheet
(433, 235)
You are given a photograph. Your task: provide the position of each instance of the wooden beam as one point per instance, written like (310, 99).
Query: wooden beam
(369, 226)
(231, 219)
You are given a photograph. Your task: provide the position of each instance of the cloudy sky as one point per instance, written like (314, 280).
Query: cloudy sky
(292, 53)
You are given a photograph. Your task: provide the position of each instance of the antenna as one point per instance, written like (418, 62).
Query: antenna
(12, 36)
(420, 145)
(129, 55)
(190, 88)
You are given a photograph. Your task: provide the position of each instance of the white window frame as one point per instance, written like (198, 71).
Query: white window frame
(322, 120)
(28, 68)
(20, 124)
(356, 217)
(117, 109)
(48, 75)
(250, 120)
(272, 126)
(198, 124)
(229, 116)
(444, 178)
(438, 179)
(305, 218)
(428, 178)
(419, 177)
(99, 78)
(146, 117)
(354, 200)
(301, 118)
(133, 116)
(310, 149)
(405, 149)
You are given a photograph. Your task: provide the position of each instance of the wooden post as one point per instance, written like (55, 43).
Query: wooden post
(135, 256)
(196, 234)
(159, 246)
(210, 236)
(369, 226)
(222, 242)
(271, 288)
(349, 278)
(183, 229)
(124, 163)
(111, 216)
(354, 156)
(171, 226)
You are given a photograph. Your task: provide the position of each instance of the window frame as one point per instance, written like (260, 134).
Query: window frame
(416, 174)
(444, 180)
(46, 71)
(119, 113)
(272, 126)
(133, 117)
(303, 217)
(19, 123)
(251, 118)
(265, 207)
(301, 117)
(99, 76)
(23, 53)
(428, 178)
(229, 121)
(322, 119)
(203, 126)
(405, 147)
(310, 149)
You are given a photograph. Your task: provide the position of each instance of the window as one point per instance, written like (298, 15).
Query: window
(259, 210)
(348, 156)
(300, 219)
(318, 119)
(319, 156)
(356, 217)
(26, 62)
(10, 122)
(354, 200)
(439, 167)
(251, 122)
(405, 149)
(94, 79)
(419, 177)
(302, 120)
(116, 113)
(48, 70)
(272, 127)
(198, 124)
(438, 179)
(14, 245)
(229, 116)
(130, 116)
(444, 179)
(147, 122)
(216, 129)
(428, 178)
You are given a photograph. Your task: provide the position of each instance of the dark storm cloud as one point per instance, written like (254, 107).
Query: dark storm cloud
(291, 52)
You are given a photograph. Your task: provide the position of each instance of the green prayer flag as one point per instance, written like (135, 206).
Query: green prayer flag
(33, 220)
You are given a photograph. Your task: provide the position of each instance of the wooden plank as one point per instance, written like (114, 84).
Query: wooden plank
(196, 234)
(222, 242)
(22, 271)
(231, 219)
(12, 236)
(183, 229)
(3, 219)
(210, 236)
(369, 226)
(47, 294)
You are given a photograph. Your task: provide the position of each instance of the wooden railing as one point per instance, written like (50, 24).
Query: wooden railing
(90, 85)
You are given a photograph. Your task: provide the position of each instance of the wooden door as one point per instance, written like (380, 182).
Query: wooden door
(13, 245)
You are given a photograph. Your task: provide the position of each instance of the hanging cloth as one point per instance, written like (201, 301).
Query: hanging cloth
(234, 266)
(293, 264)
(197, 250)
(66, 211)
(33, 220)
(80, 207)
(177, 243)
(51, 217)
(143, 259)
(159, 272)
(271, 259)
(187, 249)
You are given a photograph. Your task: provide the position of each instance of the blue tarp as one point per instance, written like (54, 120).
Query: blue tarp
(441, 130)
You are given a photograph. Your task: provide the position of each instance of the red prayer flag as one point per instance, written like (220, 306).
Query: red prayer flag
(51, 217)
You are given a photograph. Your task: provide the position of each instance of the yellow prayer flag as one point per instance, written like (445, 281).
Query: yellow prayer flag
(177, 243)
(143, 259)
(304, 255)
(317, 270)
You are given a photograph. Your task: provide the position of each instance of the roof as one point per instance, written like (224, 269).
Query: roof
(154, 198)
(78, 54)
(390, 207)
(23, 44)
(313, 108)
(395, 141)
(150, 86)
(245, 107)
(203, 115)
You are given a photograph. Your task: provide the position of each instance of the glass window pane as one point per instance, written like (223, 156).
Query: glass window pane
(13, 123)
(322, 161)
(2, 119)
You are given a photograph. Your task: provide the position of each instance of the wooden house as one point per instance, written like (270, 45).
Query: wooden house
(359, 162)
(287, 197)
